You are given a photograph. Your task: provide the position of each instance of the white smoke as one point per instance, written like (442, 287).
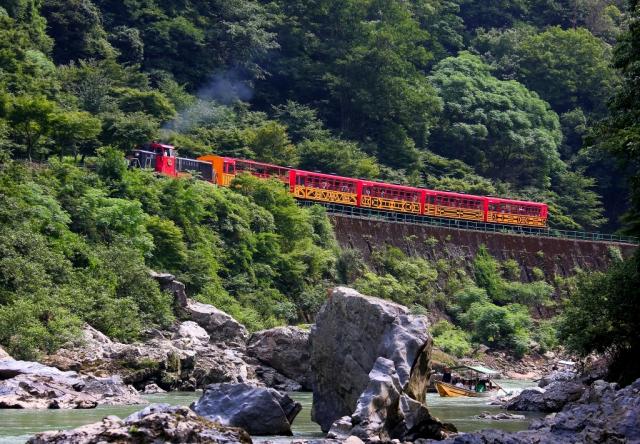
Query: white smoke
(212, 102)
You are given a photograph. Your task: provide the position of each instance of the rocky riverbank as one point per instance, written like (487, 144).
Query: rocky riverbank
(156, 423)
(368, 361)
(208, 346)
(30, 385)
(603, 414)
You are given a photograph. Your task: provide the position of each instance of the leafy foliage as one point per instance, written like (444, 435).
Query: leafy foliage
(603, 316)
(498, 126)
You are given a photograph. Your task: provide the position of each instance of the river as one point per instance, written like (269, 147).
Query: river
(16, 426)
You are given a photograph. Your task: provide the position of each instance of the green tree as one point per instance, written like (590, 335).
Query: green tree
(271, 144)
(604, 315)
(302, 122)
(620, 133)
(76, 131)
(568, 68)
(338, 157)
(492, 13)
(361, 64)
(153, 103)
(76, 28)
(128, 130)
(500, 127)
(217, 36)
(31, 118)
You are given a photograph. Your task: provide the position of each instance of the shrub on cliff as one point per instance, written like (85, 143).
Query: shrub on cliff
(76, 245)
(451, 339)
(604, 316)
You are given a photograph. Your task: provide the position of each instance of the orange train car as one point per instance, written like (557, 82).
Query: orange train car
(329, 188)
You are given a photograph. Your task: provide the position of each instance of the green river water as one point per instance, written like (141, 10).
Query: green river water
(17, 425)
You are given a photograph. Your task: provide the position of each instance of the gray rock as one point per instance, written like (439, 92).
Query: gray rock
(350, 333)
(258, 410)
(384, 412)
(30, 385)
(285, 349)
(181, 363)
(191, 331)
(272, 378)
(152, 389)
(156, 423)
(220, 326)
(10, 369)
(169, 283)
(111, 391)
(500, 416)
(341, 428)
(558, 375)
(378, 404)
(4, 355)
(552, 399)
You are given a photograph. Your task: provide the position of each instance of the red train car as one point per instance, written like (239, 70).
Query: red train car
(324, 187)
(455, 205)
(157, 156)
(384, 196)
(516, 212)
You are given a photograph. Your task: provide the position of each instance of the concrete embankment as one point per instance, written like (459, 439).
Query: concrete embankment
(556, 257)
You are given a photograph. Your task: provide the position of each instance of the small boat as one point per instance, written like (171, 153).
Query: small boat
(451, 391)
(483, 387)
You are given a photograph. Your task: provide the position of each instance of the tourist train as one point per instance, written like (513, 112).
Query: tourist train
(329, 188)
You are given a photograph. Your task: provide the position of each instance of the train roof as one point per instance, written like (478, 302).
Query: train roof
(325, 176)
(519, 202)
(366, 182)
(255, 162)
(453, 193)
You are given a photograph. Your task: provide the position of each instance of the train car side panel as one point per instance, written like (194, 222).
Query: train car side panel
(390, 197)
(325, 188)
(459, 206)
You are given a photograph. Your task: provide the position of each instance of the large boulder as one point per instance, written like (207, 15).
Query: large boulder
(30, 385)
(550, 399)
(384, 412)
(220, 326)
(285, 349)
(351, 333)
(258, 410)
(156, 423)
(556, 376)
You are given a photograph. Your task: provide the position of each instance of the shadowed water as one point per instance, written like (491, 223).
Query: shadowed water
(16, 426)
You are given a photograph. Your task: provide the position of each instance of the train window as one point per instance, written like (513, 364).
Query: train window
(229, 168)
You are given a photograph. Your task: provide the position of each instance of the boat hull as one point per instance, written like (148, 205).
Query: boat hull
(451, 391)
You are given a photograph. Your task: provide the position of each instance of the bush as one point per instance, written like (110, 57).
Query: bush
(499, 327)
(604, 316)
(33, 325)
(545, 333)
(451, 339)
(533, 294)
(487, 275)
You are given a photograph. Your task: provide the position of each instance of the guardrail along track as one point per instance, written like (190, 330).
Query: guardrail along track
(364, 213)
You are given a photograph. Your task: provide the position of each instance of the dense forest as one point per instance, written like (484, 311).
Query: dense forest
(530, 99)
